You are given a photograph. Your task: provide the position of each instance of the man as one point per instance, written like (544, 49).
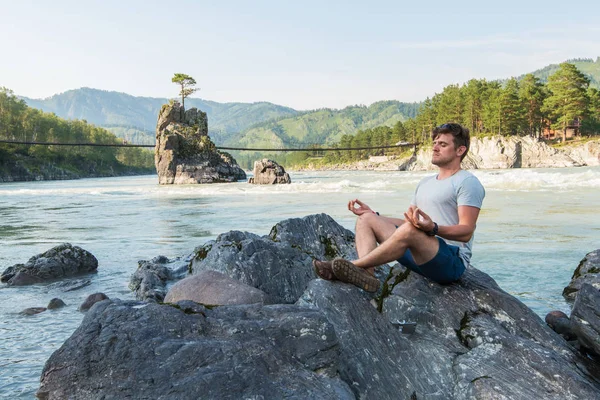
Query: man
(436, 235)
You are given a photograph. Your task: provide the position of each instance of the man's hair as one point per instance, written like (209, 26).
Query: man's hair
(460, 135)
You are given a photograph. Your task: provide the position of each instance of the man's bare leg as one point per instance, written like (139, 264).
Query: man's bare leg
(372, 229)
(392, 247)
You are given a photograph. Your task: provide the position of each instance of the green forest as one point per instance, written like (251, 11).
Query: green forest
(18, 122)
(516, 107)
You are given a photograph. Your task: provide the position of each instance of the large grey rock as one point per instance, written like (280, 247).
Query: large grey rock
(150, 280)
(150, 351)
(497, 333)
(585, 318)
(214, 288)
(377, 360)
(286, 253)
(184, 154)
(59, 262)
(588, 271)
(472, 341)
(268, 172)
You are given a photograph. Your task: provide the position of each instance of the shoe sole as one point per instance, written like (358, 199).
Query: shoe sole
(347, 272)
(319, 274)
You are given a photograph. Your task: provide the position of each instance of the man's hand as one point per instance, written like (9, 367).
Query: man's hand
(361, 209)
(419, 219)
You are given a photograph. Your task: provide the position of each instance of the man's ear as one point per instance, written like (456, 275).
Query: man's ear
(461, 150)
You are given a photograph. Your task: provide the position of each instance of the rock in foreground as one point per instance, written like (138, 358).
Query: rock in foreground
(472, 340)
(184, 154)
(150, 351)
(585, 318)
(59, 262)
(280, 263)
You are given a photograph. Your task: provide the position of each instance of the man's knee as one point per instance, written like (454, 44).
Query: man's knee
(367, 219)
(406, 232)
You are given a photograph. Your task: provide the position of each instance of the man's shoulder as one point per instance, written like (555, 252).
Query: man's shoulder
(466, 176)
(469, 189)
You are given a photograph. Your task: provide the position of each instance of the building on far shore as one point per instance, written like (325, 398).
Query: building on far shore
(572, 130)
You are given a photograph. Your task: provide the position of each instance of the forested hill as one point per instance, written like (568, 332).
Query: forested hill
(134, 118)
(18, 122)
(589, 67)
(324, 125)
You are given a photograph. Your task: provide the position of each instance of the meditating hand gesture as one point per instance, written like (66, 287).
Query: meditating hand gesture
(361, 209)
(419, 219)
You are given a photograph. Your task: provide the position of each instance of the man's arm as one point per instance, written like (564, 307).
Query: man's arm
(462, 232)
(467, 222)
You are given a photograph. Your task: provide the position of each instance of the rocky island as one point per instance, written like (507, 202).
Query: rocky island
(184, 153)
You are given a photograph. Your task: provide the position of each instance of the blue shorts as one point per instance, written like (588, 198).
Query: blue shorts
(445, 267)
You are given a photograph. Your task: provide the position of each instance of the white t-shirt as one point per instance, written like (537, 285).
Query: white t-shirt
(440, 200)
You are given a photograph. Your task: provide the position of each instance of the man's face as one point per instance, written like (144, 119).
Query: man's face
(444, 151)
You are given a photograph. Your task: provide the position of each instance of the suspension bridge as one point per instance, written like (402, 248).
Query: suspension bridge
(314, 148)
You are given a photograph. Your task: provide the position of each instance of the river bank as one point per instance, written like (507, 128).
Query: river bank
(494, 152)
(24, 168)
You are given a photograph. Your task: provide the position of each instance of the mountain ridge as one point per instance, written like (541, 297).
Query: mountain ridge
(247, 124)
(121, 112)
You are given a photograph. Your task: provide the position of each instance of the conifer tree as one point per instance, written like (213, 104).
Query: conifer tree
(187, 84)
(472, 117)
(511, 118)
(532, 94)
(568, 101)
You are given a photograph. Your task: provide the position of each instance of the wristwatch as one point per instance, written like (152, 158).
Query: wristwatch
(434, 231)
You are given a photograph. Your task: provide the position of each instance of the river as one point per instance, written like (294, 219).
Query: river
(534, 228)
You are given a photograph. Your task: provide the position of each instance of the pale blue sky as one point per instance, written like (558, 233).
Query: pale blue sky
(303, 54)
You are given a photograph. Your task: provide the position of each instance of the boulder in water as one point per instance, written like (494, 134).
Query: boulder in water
(268, 172)
(588, 271)
(91, 300)
(56, 303)
(59, 262)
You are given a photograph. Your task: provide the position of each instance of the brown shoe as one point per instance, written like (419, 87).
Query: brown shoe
(323, 270)
(347, 272)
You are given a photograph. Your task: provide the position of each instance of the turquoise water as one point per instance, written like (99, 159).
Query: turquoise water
(535, 227)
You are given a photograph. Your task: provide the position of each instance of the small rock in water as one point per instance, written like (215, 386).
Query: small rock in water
(268, 172)
(56, 303)
(33, 310)
(91, 300)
